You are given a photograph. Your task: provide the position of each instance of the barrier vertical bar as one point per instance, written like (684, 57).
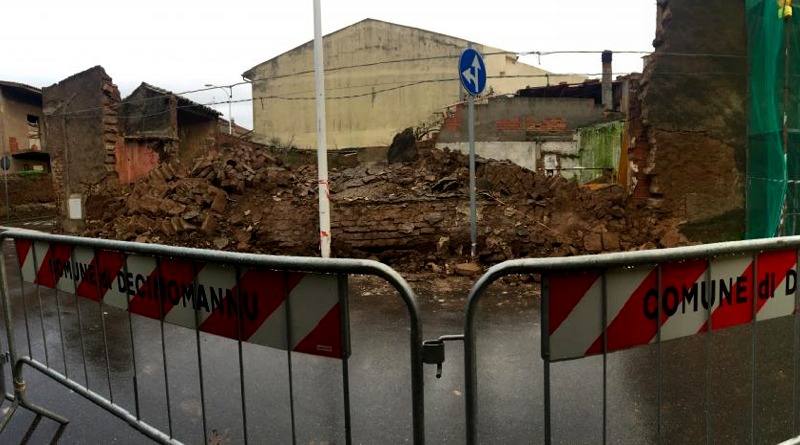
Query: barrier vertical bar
(58, 312)
(753, 350)
(470, 380)
(24, 303)
(133, 345)
(344, 320)
(289, 343)
(41, 307)
(709, 327)
(417, 382)
(199, 354)
(100, 302)
(12, 342)
(72, 272)
(796, 326)
(658, 352)
(605, 353)
(161, 297)
(10, 336)
(544, 314)
(239, 335)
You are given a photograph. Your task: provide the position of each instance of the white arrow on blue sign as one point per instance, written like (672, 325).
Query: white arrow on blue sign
(472, 71)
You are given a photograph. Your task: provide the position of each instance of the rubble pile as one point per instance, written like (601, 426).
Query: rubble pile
(412, 215)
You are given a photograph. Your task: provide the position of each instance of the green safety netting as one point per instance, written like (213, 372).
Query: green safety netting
(772, 175)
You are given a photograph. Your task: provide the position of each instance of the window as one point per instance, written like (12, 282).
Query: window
(34, 136)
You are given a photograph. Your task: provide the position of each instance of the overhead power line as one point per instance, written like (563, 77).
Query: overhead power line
(287, 96)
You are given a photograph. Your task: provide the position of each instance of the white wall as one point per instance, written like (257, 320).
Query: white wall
(370, 95)
(520, 153)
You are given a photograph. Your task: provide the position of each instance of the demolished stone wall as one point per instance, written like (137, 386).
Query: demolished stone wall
(82, 137)
(693, 111)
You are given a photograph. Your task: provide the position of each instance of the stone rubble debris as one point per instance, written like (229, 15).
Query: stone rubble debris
(414, 216)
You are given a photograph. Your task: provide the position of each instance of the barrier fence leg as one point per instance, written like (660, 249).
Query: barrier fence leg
(470, 383)
(78, 312)
(101, 308)
(344, 318)
(41, 307)
(544, 314)
(709, 401)
(289, 342)
(24, 310)
(795, 350)
(133, 348)
(753, 333)
(658, 357)
(199, 357)
(164, 349)
(239, 335)
(60, 324)
(605, 356)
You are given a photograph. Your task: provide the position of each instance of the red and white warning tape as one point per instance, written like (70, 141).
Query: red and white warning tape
(195, 295)
(737, 288)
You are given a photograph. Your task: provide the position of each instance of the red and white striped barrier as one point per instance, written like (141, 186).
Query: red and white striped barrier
(737, 288)
(196, 295)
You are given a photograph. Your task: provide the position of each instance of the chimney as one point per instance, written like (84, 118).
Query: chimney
(608, 89)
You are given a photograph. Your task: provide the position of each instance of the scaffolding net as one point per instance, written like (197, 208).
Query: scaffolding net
(773, 150)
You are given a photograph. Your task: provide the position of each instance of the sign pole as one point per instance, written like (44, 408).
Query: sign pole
(472, 72)
(322, 149)
(473, 212)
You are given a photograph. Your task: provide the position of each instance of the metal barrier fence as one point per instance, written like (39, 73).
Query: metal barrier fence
(595, 305)
(239, 299)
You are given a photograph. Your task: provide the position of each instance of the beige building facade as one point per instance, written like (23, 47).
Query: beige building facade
(21, 127)
(380, 78)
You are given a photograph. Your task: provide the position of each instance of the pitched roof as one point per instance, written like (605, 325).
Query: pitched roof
(21, 87)
(182, 101)
(247, 74)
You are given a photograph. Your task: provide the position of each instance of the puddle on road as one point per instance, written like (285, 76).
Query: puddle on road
(439, 293)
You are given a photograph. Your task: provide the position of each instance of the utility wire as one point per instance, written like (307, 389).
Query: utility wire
(495, 53)
(385, 90)
(416, 59)
(372, 93)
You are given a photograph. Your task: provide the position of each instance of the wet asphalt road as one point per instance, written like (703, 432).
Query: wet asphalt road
(696, 374)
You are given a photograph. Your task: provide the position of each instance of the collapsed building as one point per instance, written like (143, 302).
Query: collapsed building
(673, 146)
(100, 143)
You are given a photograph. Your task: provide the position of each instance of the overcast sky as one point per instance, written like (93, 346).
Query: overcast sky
(181, 46)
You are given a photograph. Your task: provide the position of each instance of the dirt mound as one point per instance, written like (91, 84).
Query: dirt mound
(410, 215)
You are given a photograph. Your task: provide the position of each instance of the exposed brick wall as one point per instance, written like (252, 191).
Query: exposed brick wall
(112, 140)
(513, 124)
(452, 122)
(82, 136)
(639, 181)
(509, 119)
(553, 125)
(398, 225)
(532, 125)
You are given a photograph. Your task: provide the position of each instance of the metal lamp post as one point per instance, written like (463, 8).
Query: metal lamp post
(230, 99)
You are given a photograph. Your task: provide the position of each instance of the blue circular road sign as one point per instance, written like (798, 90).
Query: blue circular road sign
(472, 71)
(5, 163)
